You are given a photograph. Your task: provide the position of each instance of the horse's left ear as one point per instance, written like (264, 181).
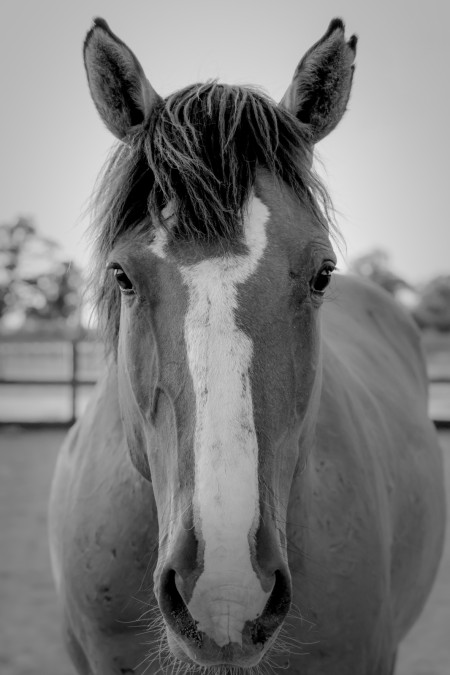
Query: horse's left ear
(121, 92)
(320, 89)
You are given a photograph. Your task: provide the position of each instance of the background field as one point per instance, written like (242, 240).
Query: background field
(30, 642)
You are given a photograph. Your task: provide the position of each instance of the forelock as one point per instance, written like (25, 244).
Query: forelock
(199, 152)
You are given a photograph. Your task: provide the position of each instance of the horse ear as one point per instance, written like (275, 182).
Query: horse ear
(121, 92)
(320, 89)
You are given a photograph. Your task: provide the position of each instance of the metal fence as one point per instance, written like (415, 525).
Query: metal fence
(49, 382)
(440, 401)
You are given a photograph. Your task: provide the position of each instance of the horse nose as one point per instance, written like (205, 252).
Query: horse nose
(273, 571)
(175, 579)
(268, 552)
(226, 598)
(180, 569)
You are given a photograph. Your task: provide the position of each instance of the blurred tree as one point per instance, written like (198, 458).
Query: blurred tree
(36, 284)
(433, 308)
(376, 266)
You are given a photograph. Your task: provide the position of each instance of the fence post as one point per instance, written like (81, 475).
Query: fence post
(74, 381)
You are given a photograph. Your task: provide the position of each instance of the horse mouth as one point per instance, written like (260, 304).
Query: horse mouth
(209, 656)
(192, 646)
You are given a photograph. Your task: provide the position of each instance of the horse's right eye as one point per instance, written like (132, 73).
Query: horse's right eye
(122, 280)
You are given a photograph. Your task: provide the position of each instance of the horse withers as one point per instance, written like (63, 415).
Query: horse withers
(255, 485)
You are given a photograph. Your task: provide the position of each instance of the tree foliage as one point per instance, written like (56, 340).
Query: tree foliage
(36, 284)
(429, 305)
(433, 308)
(376, 266)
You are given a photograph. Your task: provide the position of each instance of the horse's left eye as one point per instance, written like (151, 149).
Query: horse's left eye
(123, 281)
(322, 279)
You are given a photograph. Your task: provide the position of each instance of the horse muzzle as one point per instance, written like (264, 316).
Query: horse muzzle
(226, 621)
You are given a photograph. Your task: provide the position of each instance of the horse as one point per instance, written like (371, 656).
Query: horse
(255, 486)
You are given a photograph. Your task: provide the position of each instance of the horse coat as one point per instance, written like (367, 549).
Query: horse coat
(255, 483)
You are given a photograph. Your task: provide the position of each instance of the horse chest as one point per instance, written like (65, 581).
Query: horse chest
(108, 528)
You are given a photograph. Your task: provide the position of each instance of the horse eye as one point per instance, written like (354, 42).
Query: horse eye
(123, 281)
(322, 279)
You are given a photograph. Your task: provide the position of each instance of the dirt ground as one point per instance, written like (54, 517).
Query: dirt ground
(30, 642)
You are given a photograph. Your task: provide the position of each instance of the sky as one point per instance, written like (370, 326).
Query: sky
(386, 165)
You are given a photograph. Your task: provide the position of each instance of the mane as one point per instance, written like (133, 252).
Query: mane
(199, 152)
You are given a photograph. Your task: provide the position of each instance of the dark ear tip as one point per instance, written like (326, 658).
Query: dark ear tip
(353, 41)
(335, 24)
(98, 22)
(101, 23)
(338, 25)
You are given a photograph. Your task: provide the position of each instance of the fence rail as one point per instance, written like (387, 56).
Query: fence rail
(64, 369)
(441, 419)
(68, 370)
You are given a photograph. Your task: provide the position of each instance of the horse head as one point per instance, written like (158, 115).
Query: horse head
(215, 254)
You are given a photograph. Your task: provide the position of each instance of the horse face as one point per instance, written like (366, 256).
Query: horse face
(218, 351)
(218, 365)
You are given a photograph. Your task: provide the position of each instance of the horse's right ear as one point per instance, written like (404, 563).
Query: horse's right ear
(121, 92)
(320, 89)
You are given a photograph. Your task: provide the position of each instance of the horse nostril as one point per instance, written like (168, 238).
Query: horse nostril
(171, 598)
(280, 598)
(268, 581)
(174, 608)
(275, 610)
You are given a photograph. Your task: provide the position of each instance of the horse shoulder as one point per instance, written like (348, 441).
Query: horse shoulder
(373, 334)
(375, 433)
(366, 513)
(103, 535)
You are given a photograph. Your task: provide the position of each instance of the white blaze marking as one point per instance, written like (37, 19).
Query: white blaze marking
(226, 496)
